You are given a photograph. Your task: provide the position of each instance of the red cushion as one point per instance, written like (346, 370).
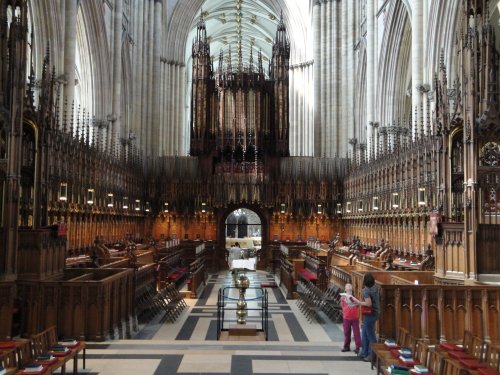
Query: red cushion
(7, 344)
(446, 346)
(487, 371)
(392, 347)
(408, 363)
(307, 274)
(460, 355)
(395, 353)
(472, 363)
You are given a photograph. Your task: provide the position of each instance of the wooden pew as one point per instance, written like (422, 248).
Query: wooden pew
(171, 269)
(44, 341)
(314, 271)
(8, 361)
(287, 280)
(430, 311)
(197, 277)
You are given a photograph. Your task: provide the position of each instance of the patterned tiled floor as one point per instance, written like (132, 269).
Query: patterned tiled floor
(190, 345)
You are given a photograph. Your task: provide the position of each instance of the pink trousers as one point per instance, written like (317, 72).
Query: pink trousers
(354, 324)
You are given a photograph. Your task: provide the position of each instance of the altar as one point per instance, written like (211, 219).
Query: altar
(247, 264)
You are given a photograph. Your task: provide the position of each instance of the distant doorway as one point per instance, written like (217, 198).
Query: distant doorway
(245, 227)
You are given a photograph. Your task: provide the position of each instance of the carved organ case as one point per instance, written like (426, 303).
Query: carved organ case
(238, 114)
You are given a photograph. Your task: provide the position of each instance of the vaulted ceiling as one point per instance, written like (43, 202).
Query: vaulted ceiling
(235, 24)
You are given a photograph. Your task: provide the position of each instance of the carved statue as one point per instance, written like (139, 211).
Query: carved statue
(388, 263)
(429, 261)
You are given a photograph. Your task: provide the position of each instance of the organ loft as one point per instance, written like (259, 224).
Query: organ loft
(145, 143)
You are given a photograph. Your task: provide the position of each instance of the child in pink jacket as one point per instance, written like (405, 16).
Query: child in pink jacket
(351, 319)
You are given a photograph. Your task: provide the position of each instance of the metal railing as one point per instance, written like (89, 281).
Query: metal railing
(223, 306)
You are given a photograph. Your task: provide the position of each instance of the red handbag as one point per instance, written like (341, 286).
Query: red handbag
(366, 310)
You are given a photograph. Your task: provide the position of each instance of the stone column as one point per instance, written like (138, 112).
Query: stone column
(336, 81)
(323, 80)
(71, 11)
(370, 69)
(182, 120)
(143, 120)
(345, 80)
(417, 53)
(157, 37)
(169, 106)
(293, 110)
(150, 148)
(350, 73)
(138, 61)
(328, 92)
(311, 130)
(317, 76)
(116, 116)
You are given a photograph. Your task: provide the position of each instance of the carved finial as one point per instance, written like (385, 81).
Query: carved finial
(221, 61)
(261, 69)
(229, 62)
(77, 130)
(72, 124)
(251, 58)
(87, 130)
(65, 115)
(441, 59)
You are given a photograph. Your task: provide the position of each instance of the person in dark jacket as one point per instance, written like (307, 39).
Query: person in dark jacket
(370, 298)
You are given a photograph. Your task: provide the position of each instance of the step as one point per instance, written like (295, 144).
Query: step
(242, 330)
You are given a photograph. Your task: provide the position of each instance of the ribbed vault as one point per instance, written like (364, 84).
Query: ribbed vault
(258, 24)
(235, 25)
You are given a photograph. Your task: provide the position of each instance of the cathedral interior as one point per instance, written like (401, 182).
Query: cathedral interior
(143, 141)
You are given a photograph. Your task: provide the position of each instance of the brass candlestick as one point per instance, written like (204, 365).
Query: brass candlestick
(242, 283)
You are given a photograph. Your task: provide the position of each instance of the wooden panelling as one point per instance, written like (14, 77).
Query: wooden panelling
(90, 304)
(41, 254)
(488, 239)
(7, 295)
(436, 312)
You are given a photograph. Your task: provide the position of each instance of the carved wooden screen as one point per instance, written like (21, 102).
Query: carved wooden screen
(457, 178)
(27, 190)
(489, 183)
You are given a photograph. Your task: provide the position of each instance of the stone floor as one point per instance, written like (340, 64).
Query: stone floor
(190, 345)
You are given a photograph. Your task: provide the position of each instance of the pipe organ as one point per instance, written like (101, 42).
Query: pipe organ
(239, 114)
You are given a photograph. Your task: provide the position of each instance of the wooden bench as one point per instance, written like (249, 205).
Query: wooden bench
(314, 271)
(287, 280)
(197, 277)
(310, 270)
(8, 361)
(44, 341)
(171, 270)
(472, 356)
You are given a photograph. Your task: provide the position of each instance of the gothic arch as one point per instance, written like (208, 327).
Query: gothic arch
(185, 12)
(395, 68)
(360, 121)
(46, 24)
(223, 213)
(444, 19)
(127, 99)
(91, 42)
(95, 44)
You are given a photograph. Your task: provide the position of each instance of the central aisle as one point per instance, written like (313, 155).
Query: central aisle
(189, 346)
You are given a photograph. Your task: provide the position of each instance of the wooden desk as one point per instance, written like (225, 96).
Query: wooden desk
(407, 265)
(8, 360)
